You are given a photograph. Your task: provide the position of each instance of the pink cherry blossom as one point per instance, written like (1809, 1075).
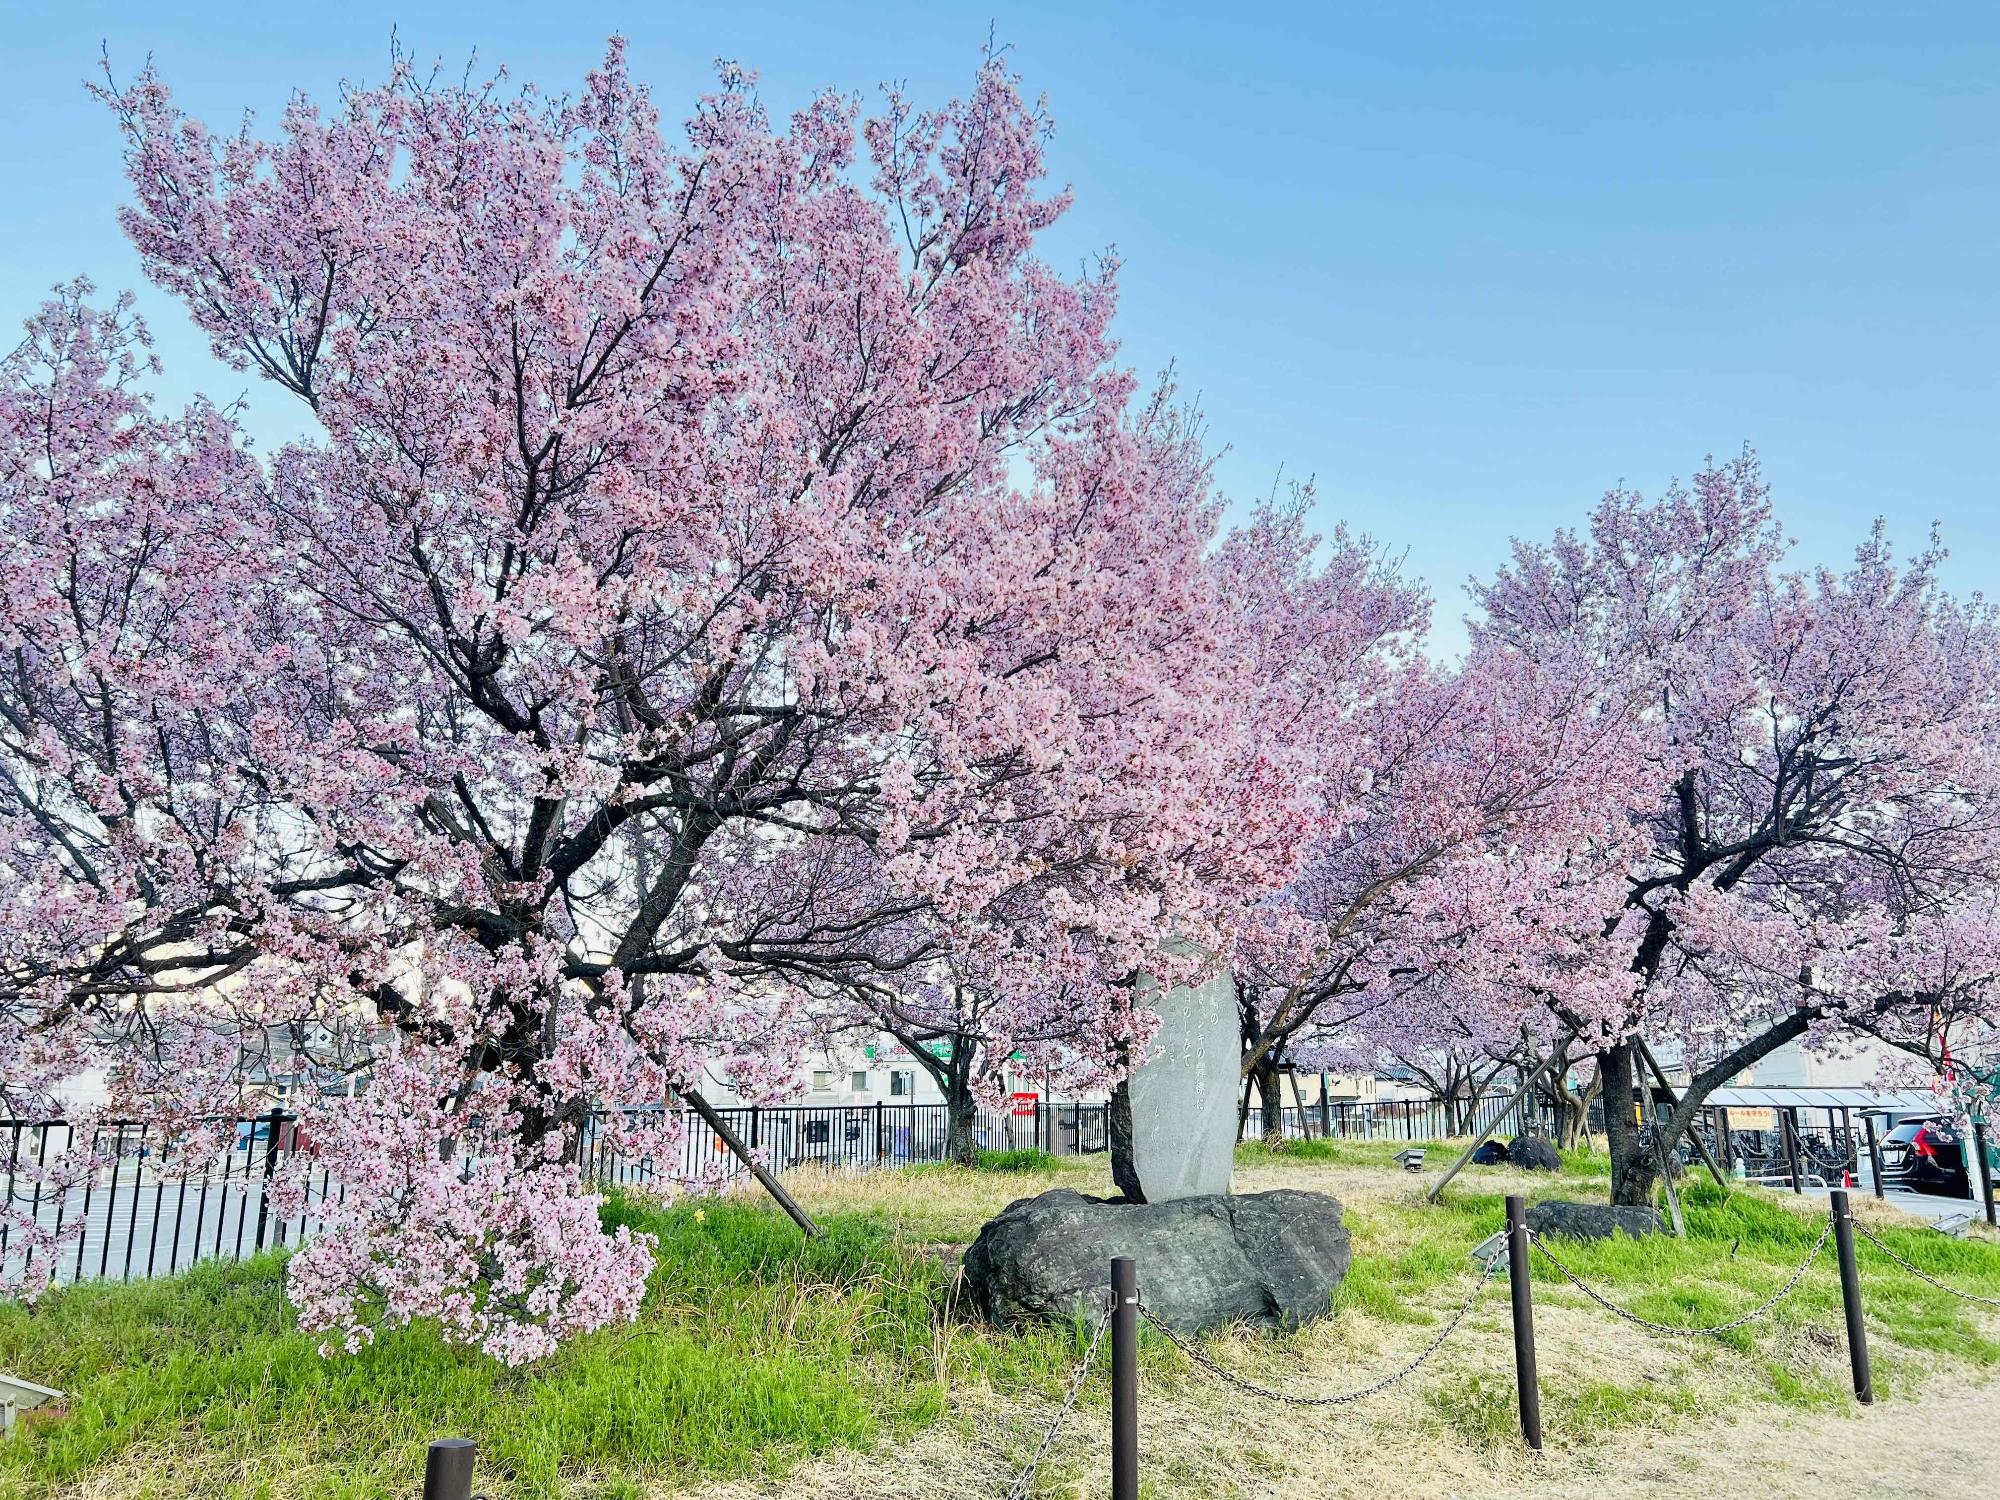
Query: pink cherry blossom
(729, 570)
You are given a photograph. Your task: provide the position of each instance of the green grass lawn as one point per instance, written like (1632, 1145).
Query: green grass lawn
(758, 1349)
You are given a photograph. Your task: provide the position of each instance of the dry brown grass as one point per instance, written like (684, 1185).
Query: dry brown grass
(1690, 1416)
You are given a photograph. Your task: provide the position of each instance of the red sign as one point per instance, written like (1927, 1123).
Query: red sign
(1024, 1104)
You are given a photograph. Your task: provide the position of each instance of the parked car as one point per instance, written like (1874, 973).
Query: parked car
(1925, 1156)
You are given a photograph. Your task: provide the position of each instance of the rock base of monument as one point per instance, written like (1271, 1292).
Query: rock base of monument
(1592, 1221)
(1271, 1260)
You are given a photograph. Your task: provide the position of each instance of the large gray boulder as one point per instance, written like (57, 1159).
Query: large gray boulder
(1533, 1154)
(1592, 1221)
(1268, 1259)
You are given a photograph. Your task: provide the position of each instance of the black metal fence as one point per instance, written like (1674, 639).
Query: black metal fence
(139, 1215)
(842, 1137)
(143, 1216)
(1385, 1120)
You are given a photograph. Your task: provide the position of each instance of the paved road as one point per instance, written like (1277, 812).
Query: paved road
(1922, 1205)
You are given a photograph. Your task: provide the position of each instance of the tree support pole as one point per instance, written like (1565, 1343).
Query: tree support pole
(1437, 1188)
(1649, 1119)
(765, 1180)
(1674, 1103)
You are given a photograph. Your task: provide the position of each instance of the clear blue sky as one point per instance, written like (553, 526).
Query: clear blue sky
(1467, 264)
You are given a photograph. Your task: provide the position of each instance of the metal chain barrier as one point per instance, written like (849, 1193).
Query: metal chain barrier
(1814, 1158)
(1675, 1330)
(1026, 1478)
(1862, 1230)
(1201, 1358)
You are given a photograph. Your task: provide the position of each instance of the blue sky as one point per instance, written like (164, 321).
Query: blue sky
(1468, 265)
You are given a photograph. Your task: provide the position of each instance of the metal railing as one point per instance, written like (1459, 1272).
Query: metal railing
(1381, 1120)
(842, 1137)
(139, 1215)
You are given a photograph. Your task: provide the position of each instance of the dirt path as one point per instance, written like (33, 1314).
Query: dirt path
(1942, 1447)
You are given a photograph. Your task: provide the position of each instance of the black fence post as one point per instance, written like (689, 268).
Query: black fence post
(1874, 1152)
(1124, 1378)
(1985, 1170)
(1525, 1377)
(1788, 1128)
(448, 1469)
(1850, 1297)
(271, 1123)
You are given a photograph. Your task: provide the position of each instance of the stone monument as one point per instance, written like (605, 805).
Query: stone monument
(1184, 1096)
(1206, 1258)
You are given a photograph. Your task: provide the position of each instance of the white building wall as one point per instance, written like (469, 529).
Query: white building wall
(875, 1070)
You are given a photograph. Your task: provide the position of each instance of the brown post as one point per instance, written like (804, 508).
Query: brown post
(273, 1122)
(448, 1469)
(1526, 1381)
(1788, 1131)
(1850, 1297)
(1124, 1378)
(1985, 1172)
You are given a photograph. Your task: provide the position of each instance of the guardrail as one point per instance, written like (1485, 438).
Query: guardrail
(1382, 1120)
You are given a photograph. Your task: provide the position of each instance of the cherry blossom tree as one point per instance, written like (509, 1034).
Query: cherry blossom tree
(1460, 816)
(1815, 800)
(725, 575)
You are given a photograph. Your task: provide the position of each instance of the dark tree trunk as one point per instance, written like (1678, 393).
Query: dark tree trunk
(1271, 1100)
(961, 1112)
(1635, 1171)
(953, 1075)
(1118, 1127)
